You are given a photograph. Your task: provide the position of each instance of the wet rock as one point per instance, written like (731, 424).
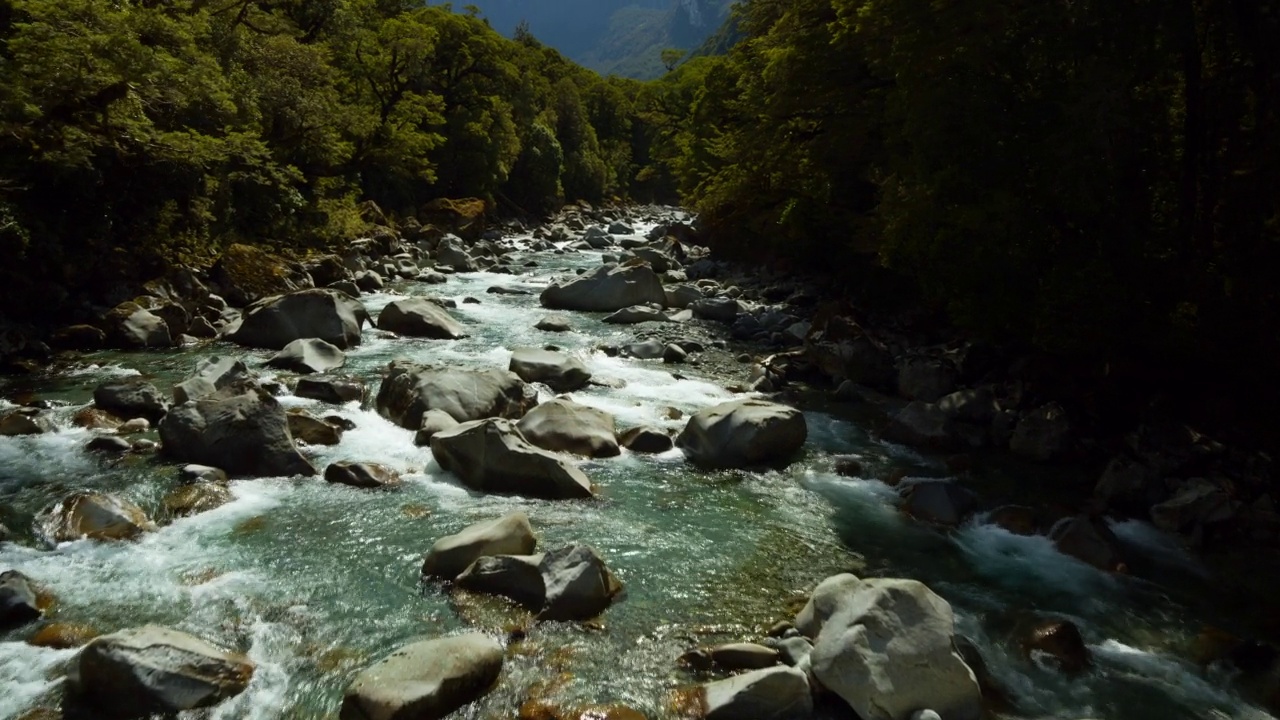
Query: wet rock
(136, 425)
(130, 326)
(1089, 540)
(940, 502)
(646, 440)
(244, 433)
(651, 349)
(433, 421)
(636, 314)
(744, 656)
(673, 354)
(246, 273)
(554, 323)
(62, 636)
(409, 391)
(1197, 503)
(368, 281)
(91, 418)
(312, 430)
(848, 465)
(888, 650)
(18, 602)
(419, 317)
(202, 474)
(328, 315)
(558, 371)
(1044, 434)
(794, 651)
(518, 577)
(927, 379)
(1017, 519)
(361, 475)
(606, 289)
(510, 534)
(561, 425)
(682, 296)
(152, 669)
(451, 253)
(1061, 642)
(308, 355)
(492, 456)
(620, 228)
(129, 398)
(108, 444)
(213, 374)
(924, 425)
(95, 516)
(780, 693)
(25, 421)
(579, 585)
(743, 433)
(195, 498)
(425, 680)
(542, 710)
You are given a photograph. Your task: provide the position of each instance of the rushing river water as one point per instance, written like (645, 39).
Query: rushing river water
(314, 580)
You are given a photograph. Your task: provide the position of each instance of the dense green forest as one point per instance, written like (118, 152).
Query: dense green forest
(1094, 179)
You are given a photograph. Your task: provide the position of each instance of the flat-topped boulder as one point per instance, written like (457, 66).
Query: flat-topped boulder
(510, 534)
(606, 289)
(324, 313)
(244, 432)
(408, 391)
(561, 425)
(743, 433)
(492, 456)
(425, 680)
(420, 317)
(308, 355)
(557, 370)
(361, 475)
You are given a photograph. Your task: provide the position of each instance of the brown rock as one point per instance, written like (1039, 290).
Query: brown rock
(95, 418)
(62, 636)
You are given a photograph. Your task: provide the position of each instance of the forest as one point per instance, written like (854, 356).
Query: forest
(1095, 180)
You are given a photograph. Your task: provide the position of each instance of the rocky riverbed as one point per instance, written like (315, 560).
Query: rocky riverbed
(587, 471)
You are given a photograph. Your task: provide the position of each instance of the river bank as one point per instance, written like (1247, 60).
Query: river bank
(315, 581)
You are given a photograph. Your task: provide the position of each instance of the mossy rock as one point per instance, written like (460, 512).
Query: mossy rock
(246, 274)
(464, 217)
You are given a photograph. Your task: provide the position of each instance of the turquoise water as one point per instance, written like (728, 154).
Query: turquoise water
(314, 581)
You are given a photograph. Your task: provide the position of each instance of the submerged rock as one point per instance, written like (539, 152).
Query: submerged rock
(62, 636)
(245, 433)
(425, 680)
(152, 669)
(558, 371)
(312, 430)
(1089, 540)
(95, 516)
(606, 289)
(409, 391)
(25, 421)
(743, 433)
(510, 534)
(554, 323)
(330, 315)
(562, 425)
(419, 317)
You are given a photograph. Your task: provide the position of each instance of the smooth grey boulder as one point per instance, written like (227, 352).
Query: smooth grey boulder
(554, 323)
(425, 680)
(152, 669)
(337, 391)
(620, 228)
(18, 602)
(312, 430)
(558, 371)
(212, 374)
(579, 586)
(889, 650)
(718, 309)
(131, 326)
(419, 317)
(274, 322)
(96, 516)
(650, 349)
(194, 473)
(408, 391)
(518, 577)
(129, 398)
(242, 432)
(606, 289)
(646, 440)
(510, 534)
(779, 693)
(361, 475)
(492, 456)
(637, 314)
(433, 421)
(561, 425)
(827, 598)
(743, 433)
(308, 355)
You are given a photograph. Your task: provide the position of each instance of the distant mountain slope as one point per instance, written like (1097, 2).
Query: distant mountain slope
(622, 37)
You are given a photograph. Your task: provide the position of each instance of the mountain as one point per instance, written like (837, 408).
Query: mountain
(621, 37)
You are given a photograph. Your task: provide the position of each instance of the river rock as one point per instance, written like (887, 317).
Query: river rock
(425, 680)
(888, 650)
(433, 421)
(579, 586)
(1016, 519)
(1044, 434)
(187, 500)
(1129, 485)
(646, 440)
(361, 475)
(95, 516)
(419, 317)
(682, 296)
(109, 444)
(244, 433)
(779, 693)
(718, 309)
(130, 326)
(510, 534)
(78, 337)
(562, 425)
(134, 426)
(25, 421)
(368, 281)
(744, 656)
(940, 502)
(927, 379)
(152, 669)
(212, 374)
(335, 390)
(606, 289)
(637, 314)
(743, 433)
(18, 602)
(560, 372)
(857, 359)
(924, 425)
(308, 355)
(409, 391)
(554, 323)
(1198, 502)
(129, 398)
(975, 405)
(329, 315)
(1061, 642)
(62, 636)
(1089, 540)
(450, 252)
(518, 577)
(794, 651)
(650, 349)
(194, 473)
(492, 456)
(312, 430)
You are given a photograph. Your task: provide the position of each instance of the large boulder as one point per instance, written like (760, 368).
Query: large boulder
(243, 432)
(129, 325)
(743, 433)
(433, 421)
(152, 669)
(606, 289)
(492, 456)
(779, 693)
(25, 421)
(1197, 503)
(578, 584)
(95, 516)
(306, 428)
(510, 534)
(334, 390)
(308, 355)
(408, 391)
(330, 315)
(888, 651)
(419, 317)
(18, 601)
(560, 372)
(518, 577)
(130, 397)
(425, 680)
(451, 253)
(562, 425)
(212, 374)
